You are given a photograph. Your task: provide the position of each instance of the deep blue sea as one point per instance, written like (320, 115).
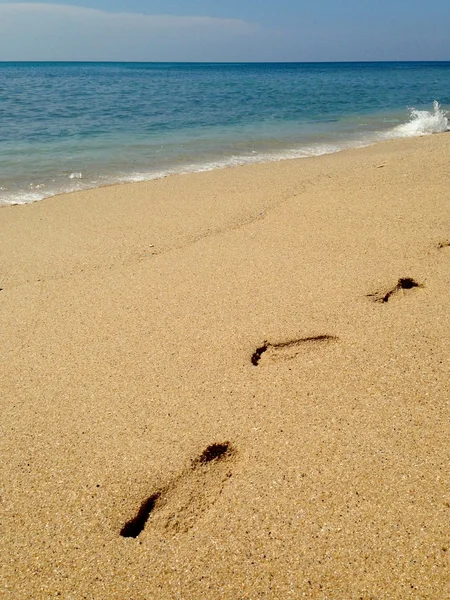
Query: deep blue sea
(69, 126)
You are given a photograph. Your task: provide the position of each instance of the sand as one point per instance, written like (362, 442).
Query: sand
(231, 385)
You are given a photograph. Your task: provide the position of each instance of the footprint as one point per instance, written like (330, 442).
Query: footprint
(288, 350)
(444, 244)
(176, 507)
(404, 285)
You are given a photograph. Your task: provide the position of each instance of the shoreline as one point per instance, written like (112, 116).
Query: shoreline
(314, 149)
(231, 384)
(348, 146)
(229, 163)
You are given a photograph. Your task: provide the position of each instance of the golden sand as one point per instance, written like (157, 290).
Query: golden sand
(231, 385)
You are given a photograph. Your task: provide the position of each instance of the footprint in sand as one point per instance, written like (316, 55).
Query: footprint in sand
(176, 507)
(404, 285)
(288, 350)
(445, 244)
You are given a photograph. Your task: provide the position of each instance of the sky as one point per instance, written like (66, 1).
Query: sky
(225, 31)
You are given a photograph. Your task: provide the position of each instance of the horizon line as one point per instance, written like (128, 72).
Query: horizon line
(225, 62)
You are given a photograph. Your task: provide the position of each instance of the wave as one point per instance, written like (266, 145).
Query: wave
(422, 122)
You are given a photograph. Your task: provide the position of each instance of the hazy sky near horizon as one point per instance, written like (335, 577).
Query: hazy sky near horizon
(236, 30)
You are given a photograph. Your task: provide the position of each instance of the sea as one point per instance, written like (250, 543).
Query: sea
(72, 126)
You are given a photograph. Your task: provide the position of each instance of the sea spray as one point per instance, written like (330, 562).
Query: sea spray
(423, 122)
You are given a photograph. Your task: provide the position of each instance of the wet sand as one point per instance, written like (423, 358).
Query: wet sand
(231, 384)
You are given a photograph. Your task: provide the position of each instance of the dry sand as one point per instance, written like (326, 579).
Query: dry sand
(225, 366)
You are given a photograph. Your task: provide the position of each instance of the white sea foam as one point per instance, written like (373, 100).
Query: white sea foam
(236, 161)
(422, 122)
(34, 193)
(76, 176)
(23, 198)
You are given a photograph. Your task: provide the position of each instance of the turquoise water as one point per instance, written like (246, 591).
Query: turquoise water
(68, 126)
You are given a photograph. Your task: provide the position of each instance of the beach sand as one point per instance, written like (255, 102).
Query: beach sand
(231, 385)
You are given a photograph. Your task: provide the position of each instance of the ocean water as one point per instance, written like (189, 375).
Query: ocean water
(70, 126)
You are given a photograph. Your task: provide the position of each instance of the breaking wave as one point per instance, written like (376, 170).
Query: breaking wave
(423, 122)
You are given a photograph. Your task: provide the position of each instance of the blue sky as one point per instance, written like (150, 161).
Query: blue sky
(207, 30)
